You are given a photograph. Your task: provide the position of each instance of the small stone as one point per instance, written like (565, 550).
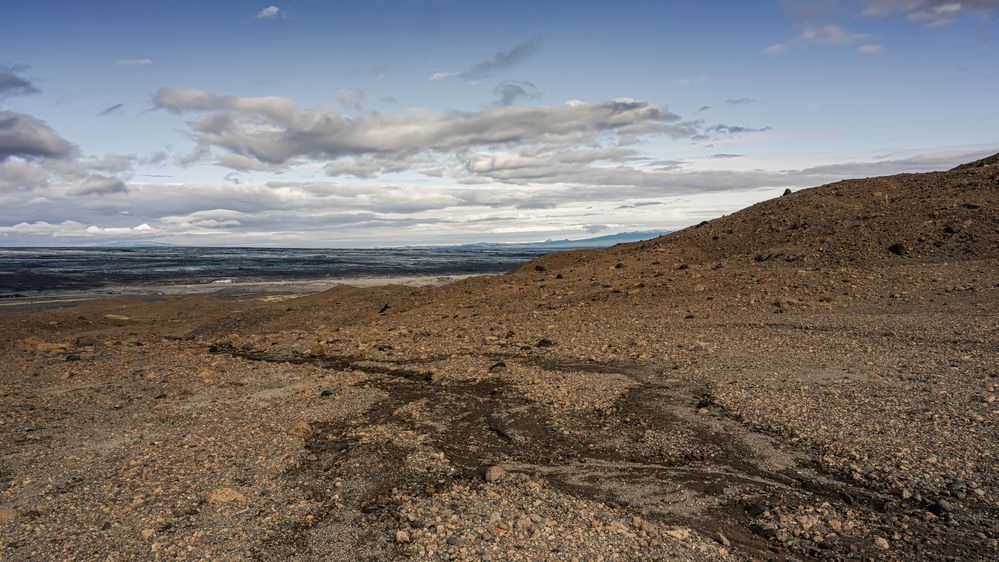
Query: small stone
(147, 533)
(723, 540)
(225, 495)
(402, 536)
(786, 192)
(494, 473)
(882, 543)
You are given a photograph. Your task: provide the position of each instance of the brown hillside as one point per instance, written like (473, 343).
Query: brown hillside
(935, 216)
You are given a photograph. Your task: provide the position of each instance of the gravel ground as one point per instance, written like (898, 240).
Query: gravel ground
(811, 378)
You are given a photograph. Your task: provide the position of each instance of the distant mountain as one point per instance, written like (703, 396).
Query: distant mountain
(566, 244)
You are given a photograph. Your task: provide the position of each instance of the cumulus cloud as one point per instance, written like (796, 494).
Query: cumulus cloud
(24, 136)
(930, 13)
(825, 35)
(13, 84)
(270, 12)
(509, 91)
(133, 62)
(496, 62)
(274, 130)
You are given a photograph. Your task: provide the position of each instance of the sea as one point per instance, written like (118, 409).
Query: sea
(33, 272)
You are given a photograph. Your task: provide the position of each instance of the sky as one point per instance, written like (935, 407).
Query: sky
(366, 123)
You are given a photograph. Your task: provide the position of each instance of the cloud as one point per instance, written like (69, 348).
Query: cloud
(273, 130)
(509, 91)
(17, 174)
(12, 84)
(96, 184)
(351, 99)
(825, 35)
(26, 137)
(270, 12)
(724, 156)
(703, 108)
(112, 109)
(497, 62)
(637, 196)
(133, 62)
(870, 49)
(740, 101)
(930, 13)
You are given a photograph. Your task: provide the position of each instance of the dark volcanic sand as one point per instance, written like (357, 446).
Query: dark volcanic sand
(810, 378)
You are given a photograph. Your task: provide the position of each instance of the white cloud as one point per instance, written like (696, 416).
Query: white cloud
(870, 49)
(825, 35)
(133, 62)
(930, 13)
(270, 12)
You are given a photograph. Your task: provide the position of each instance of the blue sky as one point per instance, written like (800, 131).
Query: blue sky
(369, 122)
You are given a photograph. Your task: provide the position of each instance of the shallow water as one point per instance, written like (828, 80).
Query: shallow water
(37, 271)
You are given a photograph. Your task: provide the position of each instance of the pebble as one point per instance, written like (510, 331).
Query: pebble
(494, 473)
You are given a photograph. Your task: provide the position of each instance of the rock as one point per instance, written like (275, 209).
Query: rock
(402, 536)
(497, 367)
(326, 393)
(540, 268)
(494, 473)
(786, 192)
(882, 543)
(755, 509)
(225, 495)
(147, 533)
(116, 317)
(942, 506)
(544, 342)
(85, 341)
(7, 516)
(679, 533)
(34, 344)
(317, 350)
(384, 309)
(898, 249)
(723, 540)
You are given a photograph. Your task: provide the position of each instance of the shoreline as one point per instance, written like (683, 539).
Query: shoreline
(266, 291)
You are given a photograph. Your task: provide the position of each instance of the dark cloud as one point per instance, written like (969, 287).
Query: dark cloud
(509, 91)
(112, 109)
(12, 84)
(24, 136)
(95, 184)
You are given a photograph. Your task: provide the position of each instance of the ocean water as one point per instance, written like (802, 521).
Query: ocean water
(37, 271)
